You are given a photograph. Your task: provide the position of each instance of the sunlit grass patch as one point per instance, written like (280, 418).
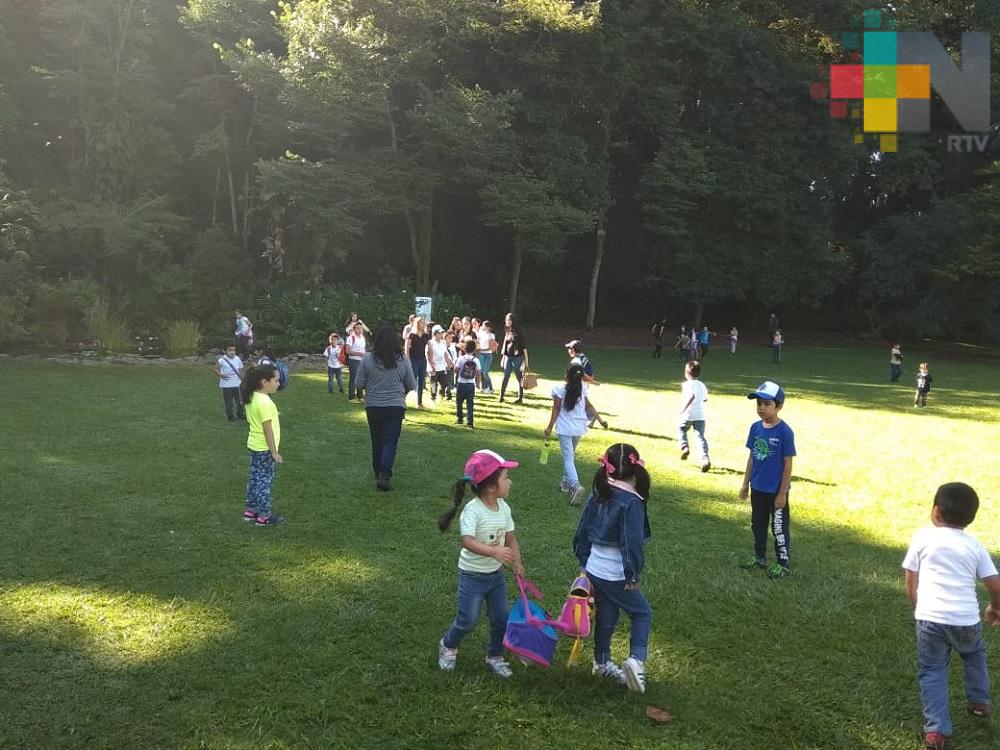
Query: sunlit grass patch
(114, 629)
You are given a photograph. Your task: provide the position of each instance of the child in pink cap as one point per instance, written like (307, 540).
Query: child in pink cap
(488, 544)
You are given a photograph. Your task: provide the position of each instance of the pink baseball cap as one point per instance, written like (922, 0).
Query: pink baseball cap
(483, 463)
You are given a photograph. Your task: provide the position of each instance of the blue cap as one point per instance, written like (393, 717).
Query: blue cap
(769, 391)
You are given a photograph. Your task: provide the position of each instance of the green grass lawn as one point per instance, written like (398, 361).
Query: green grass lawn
(138, 611)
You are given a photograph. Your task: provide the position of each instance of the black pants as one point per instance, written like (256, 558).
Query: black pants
(466, 394)
(762, 514)
(440, 382)
(243, 346)
(232, 396)
(385, 423)
(657, 350)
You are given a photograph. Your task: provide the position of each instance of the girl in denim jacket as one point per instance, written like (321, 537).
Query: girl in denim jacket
(608, 543)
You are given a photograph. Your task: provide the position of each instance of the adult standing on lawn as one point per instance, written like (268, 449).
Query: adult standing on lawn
(244, 335)
(356, 345)
(352, 321)
(415, 350)
(515, 356)
(386, 377)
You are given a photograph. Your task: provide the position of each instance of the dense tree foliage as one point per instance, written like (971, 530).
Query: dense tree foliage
(596, 161)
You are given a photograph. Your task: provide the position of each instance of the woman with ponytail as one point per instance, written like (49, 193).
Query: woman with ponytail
(262, 442)
(608, 543)
(488, 544)
(571, 412)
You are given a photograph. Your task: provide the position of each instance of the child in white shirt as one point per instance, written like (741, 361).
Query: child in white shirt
(334, 367)
(694, 394)
(941, 569)
(230, 371)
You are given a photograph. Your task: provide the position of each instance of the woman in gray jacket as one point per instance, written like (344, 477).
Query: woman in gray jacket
(386, 377)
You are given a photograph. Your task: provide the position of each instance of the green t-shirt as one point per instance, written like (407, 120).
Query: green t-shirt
(260, 410)
(488, 527)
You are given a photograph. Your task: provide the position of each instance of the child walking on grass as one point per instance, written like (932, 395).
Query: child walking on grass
(569, 417)
(262, 442)
(467, 378)
(768, 476)
(609, 539)
(923, 385)
(488, 544)
(941, 568)
(334, 367)
(694, 394)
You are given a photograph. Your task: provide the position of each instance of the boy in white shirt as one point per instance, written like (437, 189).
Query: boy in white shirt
(230, 371)
(467, 375)
(941, 568)
(694, 394)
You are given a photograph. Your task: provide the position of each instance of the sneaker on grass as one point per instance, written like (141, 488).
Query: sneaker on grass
(753, 563)
(499, 666)
(446, 657)
(270, 520)
(635, 674)
(935, 741)
(577, 495)
(778, 571)
(249, 515)
(610, 670)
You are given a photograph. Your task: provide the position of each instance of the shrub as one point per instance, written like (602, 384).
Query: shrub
(182, 339)
(108, 328)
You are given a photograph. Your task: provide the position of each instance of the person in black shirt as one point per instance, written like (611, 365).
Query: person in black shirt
(515, 356)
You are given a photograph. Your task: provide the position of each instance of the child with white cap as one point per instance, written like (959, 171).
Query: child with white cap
(768, 474)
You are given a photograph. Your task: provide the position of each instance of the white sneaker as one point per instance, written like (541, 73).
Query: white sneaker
(446, 657)
(635, 674)
(610, 670)
(577, 495)
(499, 666)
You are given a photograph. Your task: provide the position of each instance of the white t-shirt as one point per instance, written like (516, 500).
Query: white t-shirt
(356, 346)
(606, 563)
(488, 527)
(333, 356)
(695, 412)
(438, 349)
(486, 339)
(466, 369)
(230, 374)
(572, 422)
(452, 352)
(948, 562)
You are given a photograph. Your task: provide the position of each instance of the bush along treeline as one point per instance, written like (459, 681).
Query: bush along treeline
(580, 162)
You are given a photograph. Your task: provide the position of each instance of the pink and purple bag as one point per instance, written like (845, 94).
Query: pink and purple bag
(529, 632)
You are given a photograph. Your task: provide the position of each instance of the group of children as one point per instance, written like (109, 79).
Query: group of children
(942, 564)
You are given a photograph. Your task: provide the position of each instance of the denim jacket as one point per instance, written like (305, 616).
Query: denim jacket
(619, 522)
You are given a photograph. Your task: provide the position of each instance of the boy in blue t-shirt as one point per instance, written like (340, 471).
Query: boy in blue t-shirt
(768, 475)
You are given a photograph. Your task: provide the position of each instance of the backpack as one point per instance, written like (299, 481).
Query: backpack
(343, 354)
(574, 620)
(468, 371)
(529, 632)
(282, 374)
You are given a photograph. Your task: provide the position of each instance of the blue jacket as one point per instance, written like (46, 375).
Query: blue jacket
(620, 522)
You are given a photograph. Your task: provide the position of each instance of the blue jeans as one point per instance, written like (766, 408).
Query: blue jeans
(894, 373)
(465, 394)
(513, 366)
(385, 423)
(610, 599)
(259, 483)
(699, 431)
(334, 373)
(567, 445)
(776, 354)
(419, 365)
(473, 590)
(485, 362)
(935, 643)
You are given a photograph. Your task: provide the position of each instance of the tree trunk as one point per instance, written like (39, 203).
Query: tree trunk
(248, 179)
(595, 273)
(215, 196)
(697, 312)
(420, 224)
(515, 272)
(232, 197)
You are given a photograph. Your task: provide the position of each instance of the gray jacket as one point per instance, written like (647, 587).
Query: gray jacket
(386, 387)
